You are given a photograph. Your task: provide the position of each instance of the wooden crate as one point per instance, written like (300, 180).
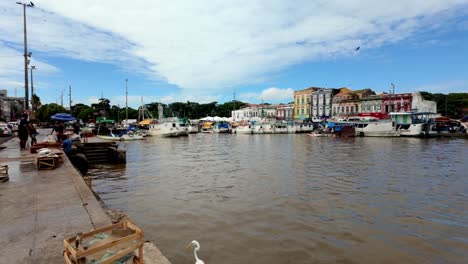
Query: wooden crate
(74, 254)
(46, 163)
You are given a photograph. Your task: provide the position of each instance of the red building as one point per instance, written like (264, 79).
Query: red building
(396, 102)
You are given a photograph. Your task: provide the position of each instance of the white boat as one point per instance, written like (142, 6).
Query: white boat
(382, 128)
(291, 129)
(257, 129)
(247, 129)
(317, 134)
(166, 128)
(268, 128)
(221, 127)
(414, 124)
(192, 129)
(307, 128)
(182, 128)
(280, 128)
(124, 137)
(207, 128)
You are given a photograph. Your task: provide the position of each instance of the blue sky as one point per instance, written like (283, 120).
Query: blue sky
(206, 50)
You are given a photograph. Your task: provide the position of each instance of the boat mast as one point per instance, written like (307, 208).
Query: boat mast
(126, 101)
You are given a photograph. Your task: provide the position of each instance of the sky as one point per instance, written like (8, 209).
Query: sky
(258, 51)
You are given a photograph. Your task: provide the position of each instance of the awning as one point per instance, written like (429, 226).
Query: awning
(146, 122)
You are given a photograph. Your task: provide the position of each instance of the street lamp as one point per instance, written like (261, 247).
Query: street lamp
(26, 55)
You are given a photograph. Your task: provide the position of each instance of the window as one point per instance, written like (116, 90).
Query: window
(297, 100)
(302, 110)
(352, 109)
(308, 100)
(297, 110)
(302, 100)
(307, 110)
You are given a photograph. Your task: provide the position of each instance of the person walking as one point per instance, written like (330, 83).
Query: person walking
(32, 133)
(23, 131)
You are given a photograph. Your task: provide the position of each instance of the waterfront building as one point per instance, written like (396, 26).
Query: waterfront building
(348, 102)
(322, 100)
(397, 103)
(254, 111)
(302, 103)
(285, 112)
(419, 104)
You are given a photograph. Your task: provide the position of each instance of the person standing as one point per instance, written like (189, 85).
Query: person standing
(59, 129)
(23, 131)
(32, 133)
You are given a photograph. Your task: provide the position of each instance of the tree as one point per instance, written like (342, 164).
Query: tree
(102, 108)
(35, 101)
(46, 111)
(83, 112)
(450, 105)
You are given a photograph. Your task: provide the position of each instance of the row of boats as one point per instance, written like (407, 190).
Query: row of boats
(401, 124)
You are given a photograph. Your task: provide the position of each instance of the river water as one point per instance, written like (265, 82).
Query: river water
(295, 199)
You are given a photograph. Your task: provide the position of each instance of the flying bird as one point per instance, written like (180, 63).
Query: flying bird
(357, 48)
(195, 249)
(31, 3)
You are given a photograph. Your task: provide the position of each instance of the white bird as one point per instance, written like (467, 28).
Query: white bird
(197, 247)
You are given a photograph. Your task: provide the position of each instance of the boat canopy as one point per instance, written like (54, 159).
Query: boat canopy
(146, 121)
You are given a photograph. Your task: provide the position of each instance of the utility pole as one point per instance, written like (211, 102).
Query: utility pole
(26, 55)
(126, 100)
(393, 97)
(69, 97)
(61, 98)
(32, 88)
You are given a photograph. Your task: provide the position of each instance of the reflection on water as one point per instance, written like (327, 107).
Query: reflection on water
(296, 199)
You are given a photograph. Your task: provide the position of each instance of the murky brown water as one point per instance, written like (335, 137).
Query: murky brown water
(296, 199)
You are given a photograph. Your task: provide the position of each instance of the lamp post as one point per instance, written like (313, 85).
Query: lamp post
(26, 55)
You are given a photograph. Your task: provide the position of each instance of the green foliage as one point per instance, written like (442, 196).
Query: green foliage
(46, 111)
(450, 105)
(35, 101)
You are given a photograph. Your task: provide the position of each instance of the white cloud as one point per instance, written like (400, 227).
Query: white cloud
(269, 95)
(277, 94)
(208, 46)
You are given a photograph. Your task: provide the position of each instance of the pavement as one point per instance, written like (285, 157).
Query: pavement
(40, 208)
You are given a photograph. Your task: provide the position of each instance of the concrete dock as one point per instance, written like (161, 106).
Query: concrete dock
(40, 208)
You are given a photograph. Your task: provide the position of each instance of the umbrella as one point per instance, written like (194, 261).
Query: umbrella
(63, 117)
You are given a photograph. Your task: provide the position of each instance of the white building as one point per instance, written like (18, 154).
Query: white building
(254, 112)
(421, 105)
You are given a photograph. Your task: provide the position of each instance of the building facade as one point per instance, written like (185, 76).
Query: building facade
(10, 107)
(302, 103)
(349, 103)
(322, 101)
(254, 111)
(419, 104)
(285, 112)
(396, 103)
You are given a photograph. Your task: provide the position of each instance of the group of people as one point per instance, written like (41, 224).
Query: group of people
(26, 130)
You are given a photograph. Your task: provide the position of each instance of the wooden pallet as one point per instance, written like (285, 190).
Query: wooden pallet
(4, 173)
(128, 240)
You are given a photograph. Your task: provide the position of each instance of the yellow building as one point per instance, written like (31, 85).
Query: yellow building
(302, 103)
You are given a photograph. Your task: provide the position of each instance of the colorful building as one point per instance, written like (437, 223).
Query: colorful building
(285, 112)
(348, 103)
(322, 100)
(302, 103)
(396, 103)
